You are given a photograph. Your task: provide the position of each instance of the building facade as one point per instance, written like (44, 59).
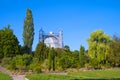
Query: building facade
(51, 39)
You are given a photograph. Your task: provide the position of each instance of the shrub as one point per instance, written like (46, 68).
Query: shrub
(6, 61)
(35, 65)
(20, 62)
(12, 65)
(44, 65)
(37, 69)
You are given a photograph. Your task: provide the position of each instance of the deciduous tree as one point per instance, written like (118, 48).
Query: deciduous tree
(98, 47)
(28, 32)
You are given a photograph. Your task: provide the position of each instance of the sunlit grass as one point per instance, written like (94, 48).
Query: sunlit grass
(97, 74)
(4, 76)
(85, 75)
(49, 77)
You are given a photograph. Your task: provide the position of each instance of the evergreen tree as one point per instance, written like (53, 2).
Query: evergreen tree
(28, 32)
(67, 48)
(75, 59)
(67, 60)
(40, 51)
(9, 45)
(1, 43)
(51, 58)
(114, 56)
(82, 56)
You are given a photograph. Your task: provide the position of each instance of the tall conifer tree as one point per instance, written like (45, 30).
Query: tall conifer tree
(28, 32)
(82, 56)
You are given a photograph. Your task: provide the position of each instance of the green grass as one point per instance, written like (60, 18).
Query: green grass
(97, 74)
(48, 77)
(4, 76)
(87, 75)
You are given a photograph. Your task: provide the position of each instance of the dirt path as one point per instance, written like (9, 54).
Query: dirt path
(14, 77)
(18, 77)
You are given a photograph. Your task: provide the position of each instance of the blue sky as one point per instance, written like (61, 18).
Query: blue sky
(77, 18)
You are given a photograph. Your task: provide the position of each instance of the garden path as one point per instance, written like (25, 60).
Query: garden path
(14, 77)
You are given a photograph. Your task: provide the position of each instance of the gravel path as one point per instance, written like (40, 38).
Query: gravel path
(18, 77)
(14, 77)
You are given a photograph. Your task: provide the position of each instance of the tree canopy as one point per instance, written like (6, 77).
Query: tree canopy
(98, 46)
(9, 45)
(28, 32)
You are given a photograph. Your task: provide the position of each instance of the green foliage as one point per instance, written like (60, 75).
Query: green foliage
(35, 65)
(12, 65)
(23, 50)
(82, 56)
(41, 52)
(28, 33)
(61, 62)
(1, 43)
(66, 48)
(75, 59)
(45, 65)
(99, 46)
(68, 60)
(6, 61)
(63, 56)
(114, 56)
(20, 62)
(59, 52)
(51, 59)
(9, 45)
(37, 69)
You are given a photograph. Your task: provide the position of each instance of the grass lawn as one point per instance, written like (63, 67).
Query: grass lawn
(98, 74)
(87, 75)
(48, 77)
(4, 76)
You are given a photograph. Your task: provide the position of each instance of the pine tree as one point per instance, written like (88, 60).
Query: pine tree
(40, 51)
(51, 58)
(28, 32)
(82, 56)
(9, 45)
